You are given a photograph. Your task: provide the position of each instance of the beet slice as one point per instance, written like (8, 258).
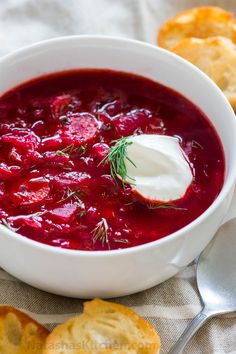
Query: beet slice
(30, 191)
(59, 105)
(51, 143)
(127, 123)
(52, 158)
(100, 150)
(64, 214)
(81, 128)
(7, 172)
(22, 139)
(71, 180)
(33, 221)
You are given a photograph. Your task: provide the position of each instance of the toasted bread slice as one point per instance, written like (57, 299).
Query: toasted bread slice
(199, 22)
(215, 56)
(103, 328)
(20, 334)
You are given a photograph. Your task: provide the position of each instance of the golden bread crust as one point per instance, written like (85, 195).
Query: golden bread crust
(216, 56)
(199, 22)
(104, 328)
(20, 334)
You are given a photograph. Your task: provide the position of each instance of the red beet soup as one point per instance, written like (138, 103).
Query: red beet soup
(55, 132)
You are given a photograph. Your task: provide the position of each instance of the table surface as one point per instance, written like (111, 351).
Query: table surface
(171, 305)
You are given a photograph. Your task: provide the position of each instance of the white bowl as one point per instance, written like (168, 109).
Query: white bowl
(87, 274)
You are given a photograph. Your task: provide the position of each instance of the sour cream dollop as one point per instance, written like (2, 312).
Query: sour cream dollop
(162, 171)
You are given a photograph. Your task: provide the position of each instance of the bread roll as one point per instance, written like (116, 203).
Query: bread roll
(199, 22)
(215, 56)
(103, 328)
(20, 334)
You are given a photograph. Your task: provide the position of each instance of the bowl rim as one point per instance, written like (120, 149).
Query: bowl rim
(228, 182)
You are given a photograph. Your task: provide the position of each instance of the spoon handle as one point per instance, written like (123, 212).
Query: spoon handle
(192, 328)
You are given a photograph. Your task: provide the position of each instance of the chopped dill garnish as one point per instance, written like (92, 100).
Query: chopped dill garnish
(39, 213)
(8, 226)
(129, 203)
(81, 213)
(100, 233)
(70, 149)
(120, 240)
(5, 223)
(82, 149)
(66, 151)
(116, 157)
(106, 127)
(195, 144)
(64, 120)
(69, 193)
(165, 206)
(67, 168)
(34, 215)
(105, 195)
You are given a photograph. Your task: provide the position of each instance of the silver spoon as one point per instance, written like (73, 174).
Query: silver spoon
(216, 280)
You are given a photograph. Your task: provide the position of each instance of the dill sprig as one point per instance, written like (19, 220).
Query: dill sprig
(5, 223)
(64, 120)
(81, 213)
(116, 157)
(69, 193)
(68, 150)
(39, 213)
(100, 233)
(82, 149)
(120, 240)
(165, 206)
(8, 226)
(195, 144)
